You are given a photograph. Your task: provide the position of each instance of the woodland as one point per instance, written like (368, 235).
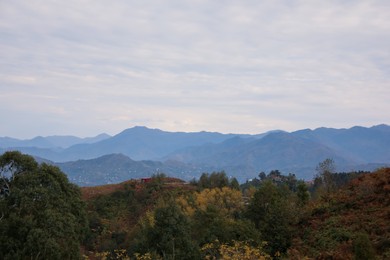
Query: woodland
(273, 216)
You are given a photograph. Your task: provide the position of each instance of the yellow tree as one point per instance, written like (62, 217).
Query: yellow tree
(238, 250)
(226, 200)
(217, 214)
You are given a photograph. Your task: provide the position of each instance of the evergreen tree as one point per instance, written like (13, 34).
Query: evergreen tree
(303, 194)
(234, 184)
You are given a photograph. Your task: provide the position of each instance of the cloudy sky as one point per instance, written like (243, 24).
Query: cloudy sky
(86, 67)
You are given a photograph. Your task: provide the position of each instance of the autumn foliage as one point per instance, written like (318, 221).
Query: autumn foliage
(338, 216)
(355, 218)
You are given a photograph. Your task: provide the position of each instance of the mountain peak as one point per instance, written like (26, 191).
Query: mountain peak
(139, 129)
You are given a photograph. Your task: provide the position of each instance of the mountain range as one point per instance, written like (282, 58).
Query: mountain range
(140, 151)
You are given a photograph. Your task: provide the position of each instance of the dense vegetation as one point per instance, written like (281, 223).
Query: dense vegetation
(42, 214)
(338, 216)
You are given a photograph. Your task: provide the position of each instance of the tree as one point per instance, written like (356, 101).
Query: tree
(325, 171)
(291, 182)
(43, 215)
(237, 250)
(234, 184)
(226, 200)
(12, 164)
(303, 194)
(271, 211)
(262, 176)
(362, 247)
(213, 180)
(217, 214)
(168, 234)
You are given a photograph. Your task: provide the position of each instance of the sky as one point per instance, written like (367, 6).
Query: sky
(87, 67)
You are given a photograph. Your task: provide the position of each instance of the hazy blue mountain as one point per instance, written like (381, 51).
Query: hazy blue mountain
(115, 168)
(68, 141)
(189, 154)
(244, 158)
(8, 142)
(55, 142)
(357, 148)
(365, 145)
(47, 153)
(38, 141)
(204, 154)
(141, 143)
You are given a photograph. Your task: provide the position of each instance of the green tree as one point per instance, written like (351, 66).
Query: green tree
(12, 164)
(325, 171)
(168, 235)
(43, 215)
(362, 247)
(303, 194)
(213, 180)
(271, 211)
(234, 184)
(262, 176)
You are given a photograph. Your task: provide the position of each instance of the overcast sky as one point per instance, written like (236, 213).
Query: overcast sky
(87, 67)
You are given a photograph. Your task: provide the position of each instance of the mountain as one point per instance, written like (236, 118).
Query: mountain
(115, 168)
(139, 143)
(68, 141)
(365, 145)
(38, 141)
(357, 148)
(55, 142)
(242, 156)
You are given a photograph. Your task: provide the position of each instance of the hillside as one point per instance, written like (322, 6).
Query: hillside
(338, 216)
(334, 224)
(116, 168)
(116, 210)
(348, 223)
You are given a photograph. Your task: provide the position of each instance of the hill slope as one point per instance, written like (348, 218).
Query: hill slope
(115, 168)
(336, 224)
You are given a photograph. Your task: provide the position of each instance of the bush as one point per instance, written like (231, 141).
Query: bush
(362, 247)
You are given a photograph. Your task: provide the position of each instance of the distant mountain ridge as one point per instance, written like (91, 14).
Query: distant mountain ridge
(297, 152)
(189, 154)
(142, 143)
(363, 144)
(50, 142)
(139, 143)
(116, 168)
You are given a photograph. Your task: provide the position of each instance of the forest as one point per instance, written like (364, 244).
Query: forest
(273, 216)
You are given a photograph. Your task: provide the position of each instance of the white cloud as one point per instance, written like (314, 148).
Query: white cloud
(193, 65)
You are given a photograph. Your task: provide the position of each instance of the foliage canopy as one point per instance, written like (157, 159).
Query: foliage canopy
(43, 216)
